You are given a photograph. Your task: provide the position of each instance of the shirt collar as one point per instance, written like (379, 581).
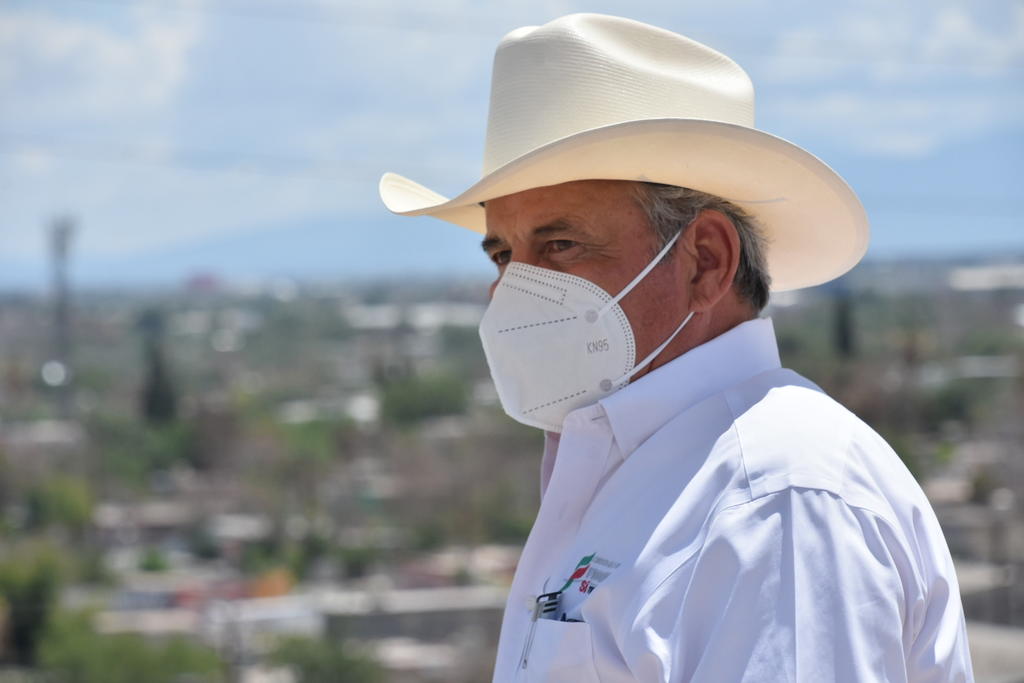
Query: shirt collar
(638, 410)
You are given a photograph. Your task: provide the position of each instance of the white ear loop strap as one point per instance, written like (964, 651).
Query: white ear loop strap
(643, 273)
(653, 354)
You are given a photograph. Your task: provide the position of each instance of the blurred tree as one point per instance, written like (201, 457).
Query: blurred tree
(844, 324)
(62, 500)
(72, 652)
(356, 561)
(130, 452)
(409, 400)
(153, 560)
(991, 341)
(159, 401)
(960, 401)
(216, 430)
(316, 440)
(8, 491)
(310, 551)
(261, 556)
(29, 583)
(320, 661)
(983, 483)
(428, 534)
(91, 568)
(202, 544)
(462, 350)
(502, 523)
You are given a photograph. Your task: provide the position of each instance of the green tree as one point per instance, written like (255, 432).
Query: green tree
(62, 501)
(8, 489)
(159, 400)
(130, 451)
(73, 652)
(845, 325)
(319, 661)
(153, 560)
(29, 585)
(410, 399)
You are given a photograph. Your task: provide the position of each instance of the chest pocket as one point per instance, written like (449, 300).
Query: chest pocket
(561, 652)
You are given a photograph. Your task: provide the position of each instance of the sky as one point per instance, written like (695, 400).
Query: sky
(245, 138)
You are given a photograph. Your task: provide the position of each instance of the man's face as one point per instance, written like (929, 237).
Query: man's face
(594, 229)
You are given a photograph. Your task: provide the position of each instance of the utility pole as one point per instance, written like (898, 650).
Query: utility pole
(57, 371)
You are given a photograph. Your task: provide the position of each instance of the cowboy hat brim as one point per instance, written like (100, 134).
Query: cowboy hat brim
(815, 226)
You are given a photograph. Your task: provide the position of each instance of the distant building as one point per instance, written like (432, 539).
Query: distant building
(987, 277)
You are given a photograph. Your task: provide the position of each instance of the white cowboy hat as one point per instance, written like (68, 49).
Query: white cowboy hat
(589, 96)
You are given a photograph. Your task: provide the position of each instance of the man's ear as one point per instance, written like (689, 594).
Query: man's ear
(713, 242)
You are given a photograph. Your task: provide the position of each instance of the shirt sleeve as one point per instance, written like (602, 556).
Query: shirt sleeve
(799, 586)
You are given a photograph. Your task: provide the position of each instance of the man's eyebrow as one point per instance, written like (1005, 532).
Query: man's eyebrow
(553, 228)
(490, 243)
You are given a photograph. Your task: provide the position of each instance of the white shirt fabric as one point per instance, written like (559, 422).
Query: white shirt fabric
(722, 519)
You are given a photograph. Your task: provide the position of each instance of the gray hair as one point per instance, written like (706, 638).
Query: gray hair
(671, 209)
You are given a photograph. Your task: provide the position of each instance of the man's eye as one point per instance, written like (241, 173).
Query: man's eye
(501, 258)
(560, 245)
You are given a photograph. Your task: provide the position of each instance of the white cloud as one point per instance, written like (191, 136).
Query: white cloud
(32, 162)
(900, 42)
(73, 68)
(956, 37)
(81, 90)
(899, 79)
(898, 124)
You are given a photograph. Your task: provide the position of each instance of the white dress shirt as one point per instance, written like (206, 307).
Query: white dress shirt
(722, 519)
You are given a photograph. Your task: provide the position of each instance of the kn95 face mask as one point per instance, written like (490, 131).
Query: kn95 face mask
(556, 342)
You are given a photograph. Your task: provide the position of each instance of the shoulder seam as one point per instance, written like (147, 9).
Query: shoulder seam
(727, 396)
(715, 515)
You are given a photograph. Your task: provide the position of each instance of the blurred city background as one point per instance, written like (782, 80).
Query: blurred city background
(246, 429)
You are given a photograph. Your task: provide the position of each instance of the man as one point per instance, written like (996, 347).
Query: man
(706, 515)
